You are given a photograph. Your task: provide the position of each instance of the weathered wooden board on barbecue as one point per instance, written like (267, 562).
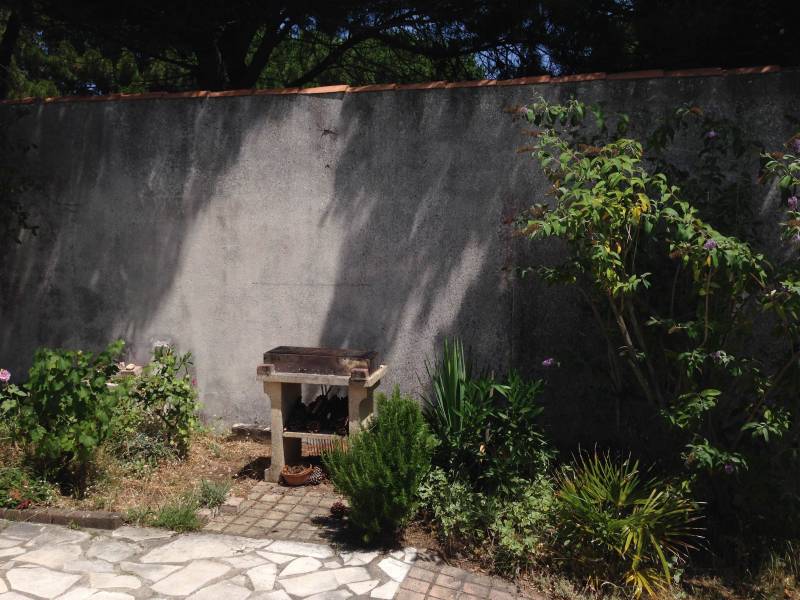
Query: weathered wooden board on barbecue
(323, 361)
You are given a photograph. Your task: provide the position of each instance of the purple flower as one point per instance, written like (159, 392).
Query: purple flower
(549, 362)
(717, 355)
(796, 237)
(792, 202)
(711, 135)
(796, 144)
(729, 469)
(5, 376)
(710, 244)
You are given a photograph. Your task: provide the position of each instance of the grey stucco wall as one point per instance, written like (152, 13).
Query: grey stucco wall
(370, 220)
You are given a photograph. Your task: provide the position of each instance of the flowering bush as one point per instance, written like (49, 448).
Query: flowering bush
(64, 412)
(164, 405)
(675, 298)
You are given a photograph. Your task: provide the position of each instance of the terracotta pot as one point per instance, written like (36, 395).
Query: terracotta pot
(295, 479)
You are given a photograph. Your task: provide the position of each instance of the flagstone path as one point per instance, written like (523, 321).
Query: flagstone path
(53, 562)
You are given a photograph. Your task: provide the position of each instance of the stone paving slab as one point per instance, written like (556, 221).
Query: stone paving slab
(54, 562)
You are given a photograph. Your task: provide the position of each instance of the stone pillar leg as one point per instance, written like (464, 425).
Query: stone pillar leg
(285, 451)
(359, 405)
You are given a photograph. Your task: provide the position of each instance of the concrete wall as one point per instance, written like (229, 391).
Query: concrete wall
(365, 220)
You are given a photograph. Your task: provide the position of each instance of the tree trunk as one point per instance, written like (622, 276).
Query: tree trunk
(7, 47)
(210, 72)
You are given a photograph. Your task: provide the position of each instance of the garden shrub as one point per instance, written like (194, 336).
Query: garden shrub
(616, 525)
(677, 299)
(163, 408)
(509, 532)
(488, 431)
(382, 467)
(490, 495)
(65, 411)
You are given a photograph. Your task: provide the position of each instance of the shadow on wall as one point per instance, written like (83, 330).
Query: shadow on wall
(426, 185)
(122, 186)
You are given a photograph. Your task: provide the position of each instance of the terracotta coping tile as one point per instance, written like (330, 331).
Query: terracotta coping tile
(325, 89)
(470, 84)
(276, 91)
(191, 94)
(578, 77)
(756, 70)
(143, 96)
(375, 87)
(650, 74)
(226, 93)
(525, 80)
(710, 72)
(427, 85)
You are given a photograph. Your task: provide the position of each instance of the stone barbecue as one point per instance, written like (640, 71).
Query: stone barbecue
(287, 368)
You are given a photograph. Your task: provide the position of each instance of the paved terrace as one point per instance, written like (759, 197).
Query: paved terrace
(48, 561)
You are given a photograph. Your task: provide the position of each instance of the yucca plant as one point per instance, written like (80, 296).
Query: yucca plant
(617, 526)
(450, 382)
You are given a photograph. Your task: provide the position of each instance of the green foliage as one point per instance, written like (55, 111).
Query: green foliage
(18, 489)
(511, 532)
(488, 431)
(382, 467)
(179, 515)
(165, 402)
(65, 411)
(490, 494)
(675, 298)
(213, 493)
(615, 524)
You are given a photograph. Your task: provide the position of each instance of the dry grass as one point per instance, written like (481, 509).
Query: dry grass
(119, 488)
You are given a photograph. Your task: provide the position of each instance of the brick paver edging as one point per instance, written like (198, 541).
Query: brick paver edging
(95, 519)
(434, 580)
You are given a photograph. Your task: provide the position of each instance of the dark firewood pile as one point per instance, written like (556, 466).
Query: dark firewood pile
(327, 413)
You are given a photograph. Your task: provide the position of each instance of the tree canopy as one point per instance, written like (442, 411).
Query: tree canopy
(52, 47)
